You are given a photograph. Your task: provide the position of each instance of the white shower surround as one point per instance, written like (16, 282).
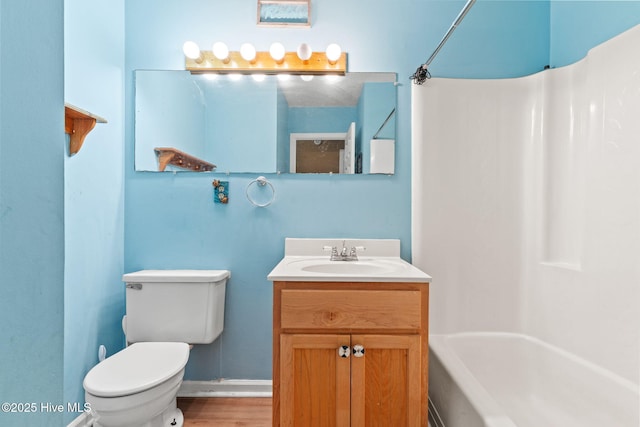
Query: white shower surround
(526, 204)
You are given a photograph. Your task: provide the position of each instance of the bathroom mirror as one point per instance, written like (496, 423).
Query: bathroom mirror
(264, 124)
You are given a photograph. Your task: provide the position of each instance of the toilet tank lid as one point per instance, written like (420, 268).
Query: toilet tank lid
(158, 276)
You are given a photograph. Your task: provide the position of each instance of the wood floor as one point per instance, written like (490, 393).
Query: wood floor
(226, 411)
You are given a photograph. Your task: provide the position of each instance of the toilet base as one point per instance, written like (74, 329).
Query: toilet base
(175, 419)
(171, 417)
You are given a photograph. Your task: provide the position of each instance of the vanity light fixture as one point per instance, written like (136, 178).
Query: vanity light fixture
(275, 61)
(331, 78)
(277, 52)
(333, 53)
(221, 52)
(248, 52)
(192, 51)
(304, 52)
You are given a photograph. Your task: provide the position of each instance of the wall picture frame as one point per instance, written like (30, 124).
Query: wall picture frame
(284, 13)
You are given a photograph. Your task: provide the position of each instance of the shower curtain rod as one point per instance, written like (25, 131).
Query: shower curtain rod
(422, 73)
(384, 123)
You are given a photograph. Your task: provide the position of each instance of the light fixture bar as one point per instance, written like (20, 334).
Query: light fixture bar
(263, 63)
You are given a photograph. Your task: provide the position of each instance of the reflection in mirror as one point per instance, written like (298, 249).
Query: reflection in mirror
(259, 125)
(318, 156)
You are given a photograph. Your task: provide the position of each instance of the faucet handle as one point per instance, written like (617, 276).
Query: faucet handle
(356, 249)
(334, 252)
(353, 255)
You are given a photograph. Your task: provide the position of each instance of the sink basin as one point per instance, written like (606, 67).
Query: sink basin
(347, 267)
(308, 260)
(369, 269)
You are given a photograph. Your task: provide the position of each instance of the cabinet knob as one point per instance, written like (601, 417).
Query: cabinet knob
(343, 351)
(358, 350)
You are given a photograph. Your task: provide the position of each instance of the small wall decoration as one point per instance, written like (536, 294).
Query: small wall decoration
(284, 13)
(220, 191)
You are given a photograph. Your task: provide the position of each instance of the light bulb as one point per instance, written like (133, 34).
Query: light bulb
(258, 77)
(333, 53)
(248, 52)
(304, 52)
(221, 51)
(306, 77)
(191, 50)
(277, 52)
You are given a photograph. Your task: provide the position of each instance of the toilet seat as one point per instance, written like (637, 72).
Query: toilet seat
(137, 368)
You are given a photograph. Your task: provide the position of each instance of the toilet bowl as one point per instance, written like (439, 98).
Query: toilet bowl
(137, 386)
(166, 309)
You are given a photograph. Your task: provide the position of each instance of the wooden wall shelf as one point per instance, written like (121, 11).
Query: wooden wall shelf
(78, 123)
(175, 157)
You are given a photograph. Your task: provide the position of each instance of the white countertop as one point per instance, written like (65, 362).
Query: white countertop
(378, 261)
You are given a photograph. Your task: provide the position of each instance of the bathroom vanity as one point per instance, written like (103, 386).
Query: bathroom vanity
(350, 338)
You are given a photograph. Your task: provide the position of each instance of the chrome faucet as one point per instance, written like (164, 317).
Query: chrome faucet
(345, 253)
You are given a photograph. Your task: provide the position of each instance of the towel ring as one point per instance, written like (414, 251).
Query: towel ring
(261, 181)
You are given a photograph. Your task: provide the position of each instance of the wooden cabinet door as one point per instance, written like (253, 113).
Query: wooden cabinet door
(386, 381)
(315, 381)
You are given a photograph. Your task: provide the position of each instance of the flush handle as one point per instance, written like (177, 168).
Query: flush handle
(136, 286)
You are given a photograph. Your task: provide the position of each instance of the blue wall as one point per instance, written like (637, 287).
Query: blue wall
(173, 117)
(577, 26)
(31, 208)
(94, 191)
(321, 119)
(171, 221)
(497, 39)
(235, 143)
(376, 103)
(284, 149)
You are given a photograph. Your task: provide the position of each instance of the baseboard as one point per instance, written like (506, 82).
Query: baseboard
(83, 420)
(218, 388)
(226, 388)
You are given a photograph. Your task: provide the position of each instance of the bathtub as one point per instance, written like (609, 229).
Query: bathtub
(512, 380)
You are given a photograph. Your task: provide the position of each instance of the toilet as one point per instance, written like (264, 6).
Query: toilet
(166, 311)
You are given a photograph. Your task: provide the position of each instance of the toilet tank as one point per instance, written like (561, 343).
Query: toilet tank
(175, 305)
